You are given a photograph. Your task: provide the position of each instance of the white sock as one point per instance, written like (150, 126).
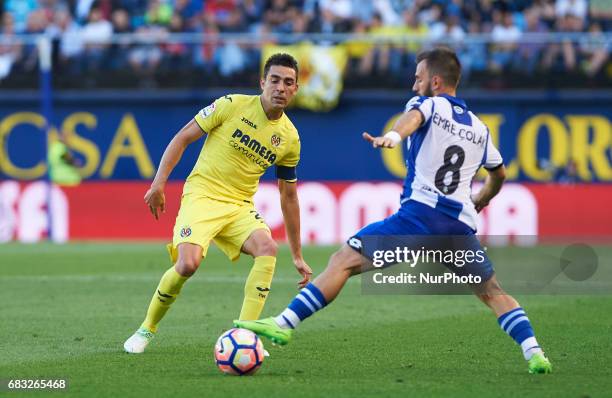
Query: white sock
(530, 346)
(287, 319)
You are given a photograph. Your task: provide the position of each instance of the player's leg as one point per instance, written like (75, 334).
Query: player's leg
(343, 264)
(247, 232)
(351, 259)
(513, 320)
(510, 316)
(198, 220)
(170, 285)
(263, 249)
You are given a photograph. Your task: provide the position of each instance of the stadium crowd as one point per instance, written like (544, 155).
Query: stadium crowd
(82, 29)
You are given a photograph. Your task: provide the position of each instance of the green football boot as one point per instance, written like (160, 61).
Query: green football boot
(539, 364)
(268, 328)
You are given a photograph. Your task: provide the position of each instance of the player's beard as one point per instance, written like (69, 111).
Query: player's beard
(428, 92)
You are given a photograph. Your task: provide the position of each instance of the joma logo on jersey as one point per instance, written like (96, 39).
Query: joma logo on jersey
(250, 123)
(255, 146)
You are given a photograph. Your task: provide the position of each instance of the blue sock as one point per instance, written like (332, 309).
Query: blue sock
(516, 324)
(307, 302)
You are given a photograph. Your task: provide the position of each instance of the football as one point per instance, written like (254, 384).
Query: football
(239, 352)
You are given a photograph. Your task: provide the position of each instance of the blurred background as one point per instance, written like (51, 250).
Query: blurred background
(91, 92)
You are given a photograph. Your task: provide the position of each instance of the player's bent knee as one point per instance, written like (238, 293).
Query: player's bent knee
(346, 260)
(490, 291)
(187, 265)
(189, 259)
(267, 247)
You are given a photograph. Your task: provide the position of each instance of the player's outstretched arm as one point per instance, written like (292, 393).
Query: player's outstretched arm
(154, 198)
(291, 214)
(405, 125)
(492, 186)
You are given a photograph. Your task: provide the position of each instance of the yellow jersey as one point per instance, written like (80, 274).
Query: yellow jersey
(241, 144)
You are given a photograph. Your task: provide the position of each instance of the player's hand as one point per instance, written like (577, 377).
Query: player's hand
(479, 202)
(304, 270)
(382, 141)
(156, 200)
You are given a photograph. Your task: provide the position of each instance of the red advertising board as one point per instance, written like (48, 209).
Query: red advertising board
(330, 211)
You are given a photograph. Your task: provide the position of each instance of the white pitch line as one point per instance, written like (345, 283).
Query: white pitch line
(138, 278)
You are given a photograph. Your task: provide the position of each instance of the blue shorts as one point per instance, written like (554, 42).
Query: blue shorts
(417, 225)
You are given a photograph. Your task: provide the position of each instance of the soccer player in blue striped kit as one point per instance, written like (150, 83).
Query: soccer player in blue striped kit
(447, 146)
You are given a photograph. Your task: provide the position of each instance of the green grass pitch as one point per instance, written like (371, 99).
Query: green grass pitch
(67, 309)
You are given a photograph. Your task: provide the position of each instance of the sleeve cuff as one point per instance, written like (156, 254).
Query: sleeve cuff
(494, 167)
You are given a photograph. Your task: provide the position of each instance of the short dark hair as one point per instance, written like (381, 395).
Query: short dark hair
(442, 61)
(281, 59)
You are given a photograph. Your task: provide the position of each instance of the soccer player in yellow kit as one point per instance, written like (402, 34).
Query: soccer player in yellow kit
(245, 135)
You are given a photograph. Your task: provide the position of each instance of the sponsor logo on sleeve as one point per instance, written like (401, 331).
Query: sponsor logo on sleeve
(208, 110)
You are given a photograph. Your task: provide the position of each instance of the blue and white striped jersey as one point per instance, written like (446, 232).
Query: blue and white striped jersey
(444, 154)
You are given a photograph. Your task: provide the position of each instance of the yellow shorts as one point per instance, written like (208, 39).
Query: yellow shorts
(202, 219)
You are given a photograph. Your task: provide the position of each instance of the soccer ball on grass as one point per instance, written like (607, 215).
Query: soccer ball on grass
(239, 352)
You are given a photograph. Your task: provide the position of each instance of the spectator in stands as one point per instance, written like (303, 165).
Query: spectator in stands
(225, 16)
(145, 57)
(87, 30)
(403, 53)
(204, 52)
(119, 50)
(252, 11)
(135, 8)
(20, 11)
(389, 14)
(473, 56)
(567, 49)
(10, 47)
(96, 35)
(413, 27)
(175, 54)
(529, 54)
(594, 50)
(431, 15)
(577, 8)
(601, 11)
(68, 32)
(158, 13)
(448, 32)
(82, 9)
(52, 6)
(363, 10)
(37, 23)
(105, 8)
(505, 36)
(546, 10)
(188, 11)
(377, 58)
(358, 50)
(337, 15)
(278, 15)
